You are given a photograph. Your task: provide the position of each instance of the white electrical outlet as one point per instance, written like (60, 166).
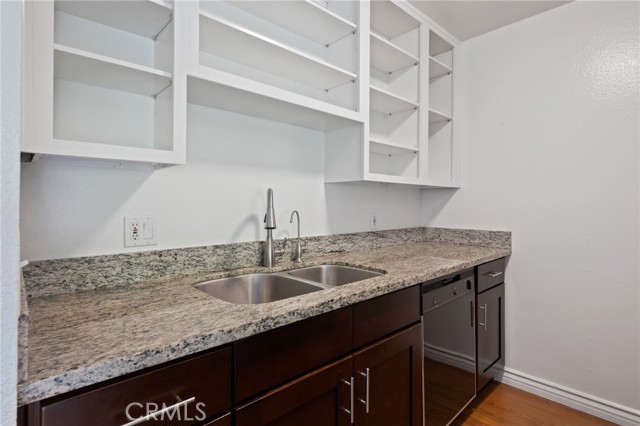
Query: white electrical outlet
(140, 231)
(374, 220)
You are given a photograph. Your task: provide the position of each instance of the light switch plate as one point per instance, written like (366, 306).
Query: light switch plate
(140, 230)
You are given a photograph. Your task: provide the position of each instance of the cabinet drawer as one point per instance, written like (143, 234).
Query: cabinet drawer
(268, 359)
(379, 317)
(490, 274)
(204, 380)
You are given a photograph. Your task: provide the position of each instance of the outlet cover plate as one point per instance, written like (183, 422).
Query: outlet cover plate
(140, 230)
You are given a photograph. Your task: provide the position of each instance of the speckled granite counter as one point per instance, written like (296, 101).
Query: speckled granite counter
(78, 339)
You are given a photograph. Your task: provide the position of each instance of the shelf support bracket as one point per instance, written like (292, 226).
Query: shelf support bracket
(404, 68)
(353, 80)
(155, 37)
(155, 96)
(404, 110)
(340, 38)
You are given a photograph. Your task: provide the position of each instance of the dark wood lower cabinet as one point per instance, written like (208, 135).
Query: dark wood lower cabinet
(316, 399)
(490, 334)
(389, 381)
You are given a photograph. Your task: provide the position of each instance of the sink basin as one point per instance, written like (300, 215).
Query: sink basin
(256, 288)
(333, 275)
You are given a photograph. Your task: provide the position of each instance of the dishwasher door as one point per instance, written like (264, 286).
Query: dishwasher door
(449, 348)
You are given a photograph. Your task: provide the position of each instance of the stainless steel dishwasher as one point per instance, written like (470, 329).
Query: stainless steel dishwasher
(449, 347)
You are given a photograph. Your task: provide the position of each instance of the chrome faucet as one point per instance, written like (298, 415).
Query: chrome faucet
(270, 253)
(296, 256)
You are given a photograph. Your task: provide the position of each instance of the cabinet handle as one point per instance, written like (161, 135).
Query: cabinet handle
(493, 274)
(365, 401)
(351, 411)
(155, 414)
(485, 316)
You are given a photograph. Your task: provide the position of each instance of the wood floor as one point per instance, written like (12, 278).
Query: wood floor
(503, 405)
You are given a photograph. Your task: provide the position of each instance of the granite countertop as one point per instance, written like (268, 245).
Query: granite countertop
(82, 338)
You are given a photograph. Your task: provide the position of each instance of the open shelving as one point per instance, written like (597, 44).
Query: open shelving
(112, 79)
(437, 68)
(97, 70)
(101, 80)
(232, 42)
(388, 103)
(388, 19)
(295, 16)
(259, 100)
(442, 150)
(145, 18)
(396, 67)
(389, 148)
(388, 57)
(281, 44)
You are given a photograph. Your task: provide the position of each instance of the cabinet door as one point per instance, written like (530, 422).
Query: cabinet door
(490, 337)
(321, 398)
(389, 380)
(220, 421)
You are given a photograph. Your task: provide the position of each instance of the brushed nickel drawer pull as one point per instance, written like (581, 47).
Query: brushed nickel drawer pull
(485, 316)
(155, 414)
(493, 274)
(350, 412)
(366, 400)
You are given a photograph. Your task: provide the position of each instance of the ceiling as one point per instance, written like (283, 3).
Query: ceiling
(465, 19)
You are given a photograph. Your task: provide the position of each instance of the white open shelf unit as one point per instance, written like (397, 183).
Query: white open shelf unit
(442, 161)
(101, 81)
(112, 80)
(395, 98)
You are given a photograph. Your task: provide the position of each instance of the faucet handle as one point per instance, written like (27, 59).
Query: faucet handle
(281, 251)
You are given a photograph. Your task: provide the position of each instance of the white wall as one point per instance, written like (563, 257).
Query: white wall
(72, 208)
(551, 133)
(9, 196)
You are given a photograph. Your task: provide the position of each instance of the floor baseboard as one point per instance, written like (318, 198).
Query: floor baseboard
(624, 416)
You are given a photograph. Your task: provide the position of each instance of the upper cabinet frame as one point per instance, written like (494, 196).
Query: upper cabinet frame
(112, 80)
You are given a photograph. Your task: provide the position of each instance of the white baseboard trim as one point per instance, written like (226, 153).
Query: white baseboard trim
(611, 411)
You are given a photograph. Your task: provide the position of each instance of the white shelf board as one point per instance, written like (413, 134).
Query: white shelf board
(306, 18)
(243, 96)
(437, 116)
(232, 42)
(388, 19)
(437, 68)
(384, 178)
(389, 148)
(388, 103)
(71, 148)
(438, 44)
(97, 70)
(431, 183)
(143, 17)
(388, 57)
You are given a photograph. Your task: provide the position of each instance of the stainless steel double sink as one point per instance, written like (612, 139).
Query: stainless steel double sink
(263, 288)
